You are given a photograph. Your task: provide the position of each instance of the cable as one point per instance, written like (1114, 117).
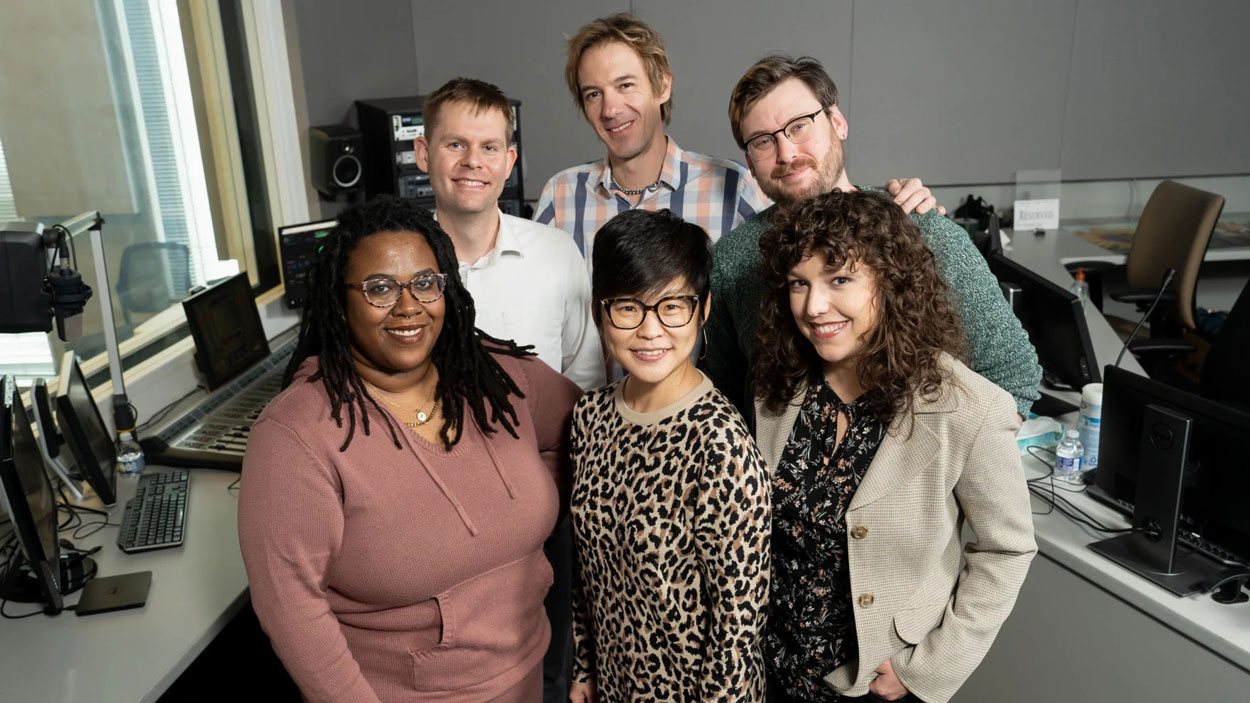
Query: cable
(1167, 281)
(1065, 507)
(91, 528)
(168, 408)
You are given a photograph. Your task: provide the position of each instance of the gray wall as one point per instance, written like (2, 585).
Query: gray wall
(351, 51)
(956, 91)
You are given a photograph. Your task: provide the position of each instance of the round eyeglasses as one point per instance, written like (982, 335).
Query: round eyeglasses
(797, 130)
(628, 313)
(384, 291)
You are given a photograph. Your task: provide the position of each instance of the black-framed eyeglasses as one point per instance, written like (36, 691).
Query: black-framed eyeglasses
(628, 313)
(797, 130)
(384, 291)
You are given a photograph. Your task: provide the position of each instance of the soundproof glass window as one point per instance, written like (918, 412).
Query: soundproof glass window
(112, 113)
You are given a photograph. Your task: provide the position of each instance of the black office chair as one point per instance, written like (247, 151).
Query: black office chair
(154, 276)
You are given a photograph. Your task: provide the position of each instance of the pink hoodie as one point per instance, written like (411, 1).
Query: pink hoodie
(411, 574)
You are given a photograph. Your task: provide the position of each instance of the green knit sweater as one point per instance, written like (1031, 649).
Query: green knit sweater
(998, 347)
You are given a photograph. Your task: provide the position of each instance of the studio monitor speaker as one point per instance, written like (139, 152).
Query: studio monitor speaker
(334, 156)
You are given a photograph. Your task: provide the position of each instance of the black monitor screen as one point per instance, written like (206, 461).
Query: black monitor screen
(84, 431)
(298, 246)
(225, 325)
(1215, 504)
(28, 494)
(1055, 321)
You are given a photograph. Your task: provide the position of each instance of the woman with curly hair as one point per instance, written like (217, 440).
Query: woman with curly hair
(880, 443)
(400, 557)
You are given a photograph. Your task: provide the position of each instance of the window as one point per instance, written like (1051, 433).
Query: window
(145, 111)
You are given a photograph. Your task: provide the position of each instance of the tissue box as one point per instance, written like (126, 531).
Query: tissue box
(1039, 431)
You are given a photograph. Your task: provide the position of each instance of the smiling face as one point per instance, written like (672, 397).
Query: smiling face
(619, 100)
(468, 157)
(653, 354)
(396, 340)
(796, 171)
(834, 308)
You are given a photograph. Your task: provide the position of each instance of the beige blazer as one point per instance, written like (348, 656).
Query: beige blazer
(917, 602)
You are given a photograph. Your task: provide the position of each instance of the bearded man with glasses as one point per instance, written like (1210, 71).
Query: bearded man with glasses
(785, 117)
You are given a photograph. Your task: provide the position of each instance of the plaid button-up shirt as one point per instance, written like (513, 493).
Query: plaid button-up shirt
(716, 194)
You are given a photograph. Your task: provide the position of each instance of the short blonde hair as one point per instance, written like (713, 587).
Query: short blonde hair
(632, 32)
(480, 94)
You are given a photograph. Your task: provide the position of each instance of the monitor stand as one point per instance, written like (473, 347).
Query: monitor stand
(1150, 549)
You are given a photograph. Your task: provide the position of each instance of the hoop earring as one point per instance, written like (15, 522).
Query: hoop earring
(703, 348)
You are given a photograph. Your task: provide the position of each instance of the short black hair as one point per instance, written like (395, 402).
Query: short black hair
(468, 373)
(639, 252)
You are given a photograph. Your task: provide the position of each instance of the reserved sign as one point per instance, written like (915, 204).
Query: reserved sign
(1036, 214)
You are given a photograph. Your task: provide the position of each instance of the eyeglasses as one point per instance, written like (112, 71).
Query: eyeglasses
(384, 291)
(797, 130)
(628, 313)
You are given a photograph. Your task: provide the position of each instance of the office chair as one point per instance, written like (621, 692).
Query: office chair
(154, 276)
(1173, 233)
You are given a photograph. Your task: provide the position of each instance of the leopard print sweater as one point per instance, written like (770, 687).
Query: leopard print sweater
(671, 525)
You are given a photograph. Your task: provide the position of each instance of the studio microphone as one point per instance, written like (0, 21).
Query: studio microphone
(1167, 281)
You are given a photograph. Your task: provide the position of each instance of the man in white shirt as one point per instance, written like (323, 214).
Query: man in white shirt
(528, 280)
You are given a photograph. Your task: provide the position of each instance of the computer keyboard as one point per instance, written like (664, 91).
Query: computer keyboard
(155, 517)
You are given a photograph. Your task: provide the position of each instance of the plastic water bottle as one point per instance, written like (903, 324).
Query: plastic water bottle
(1090, 424)
(130, 460)
(1080, 288)
(1069, 451)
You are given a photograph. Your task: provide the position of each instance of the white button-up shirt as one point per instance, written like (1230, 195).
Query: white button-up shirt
(532, 288)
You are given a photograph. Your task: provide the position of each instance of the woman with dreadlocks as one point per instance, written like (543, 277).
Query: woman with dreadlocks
(396, 495)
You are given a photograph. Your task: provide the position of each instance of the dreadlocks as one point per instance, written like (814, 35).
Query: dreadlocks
(467, 370)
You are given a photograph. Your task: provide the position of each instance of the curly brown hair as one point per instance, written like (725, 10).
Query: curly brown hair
(915, 321)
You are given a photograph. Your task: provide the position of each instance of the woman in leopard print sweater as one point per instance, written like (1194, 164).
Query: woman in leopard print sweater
(670, 497)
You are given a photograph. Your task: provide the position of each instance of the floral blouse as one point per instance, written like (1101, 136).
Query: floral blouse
(811, 624)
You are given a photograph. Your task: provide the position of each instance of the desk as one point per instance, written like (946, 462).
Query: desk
(134, 655)
(1085, 629)
(1069, 248)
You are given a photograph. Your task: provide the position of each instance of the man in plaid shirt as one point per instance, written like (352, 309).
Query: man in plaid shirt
(619, 76)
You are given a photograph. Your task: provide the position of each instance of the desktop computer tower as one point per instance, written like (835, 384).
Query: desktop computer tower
(389, 128)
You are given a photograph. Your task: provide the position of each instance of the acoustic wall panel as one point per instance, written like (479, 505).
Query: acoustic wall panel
(1158, 89)
(957, 92)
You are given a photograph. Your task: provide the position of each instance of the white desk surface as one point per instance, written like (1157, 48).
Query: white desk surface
(135, 655)
(1224, 629)
(1069, 247)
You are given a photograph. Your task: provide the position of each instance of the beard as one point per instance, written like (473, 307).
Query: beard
(828, 170)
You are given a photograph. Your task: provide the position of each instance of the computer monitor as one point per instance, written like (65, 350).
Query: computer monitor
(85, 433)
(226, 328)
(989, 242)
(50, 440)
(1055, 321)
(297, 247)
(1164, 455)
(31, 504)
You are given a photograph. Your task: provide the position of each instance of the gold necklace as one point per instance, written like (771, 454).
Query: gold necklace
(422, 418)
